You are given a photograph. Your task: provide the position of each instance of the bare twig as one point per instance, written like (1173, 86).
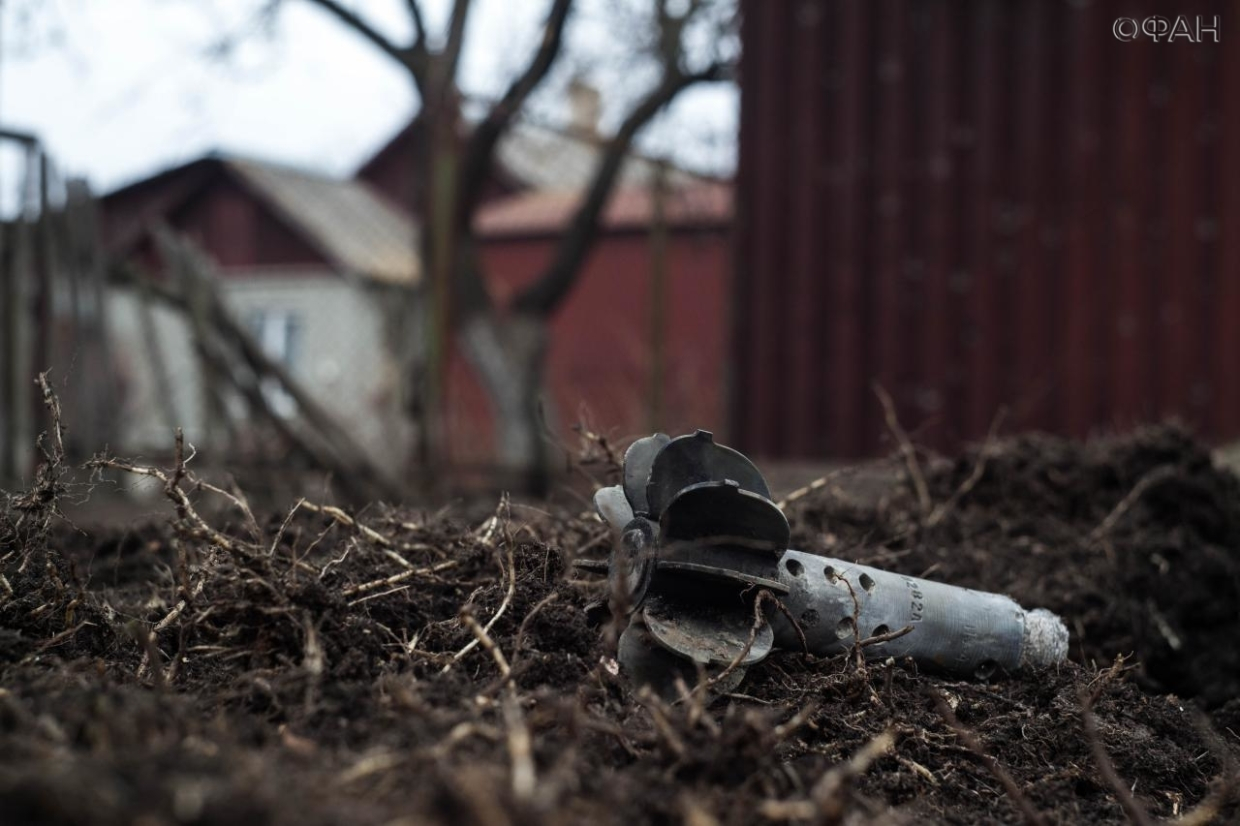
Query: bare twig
(372, 764)
(151, 658)
(832, 791)
(829, 796)
(659, 716)
(349, 522)
(1223, 788)
(759, 620)
(459, 733)
(916, 477)
(190, 522)
(394, 579)
(512, 587)
(52, 403)
(546, 293)
(379, 595)
(888, 637)
(979, 470)
(354, 21)
(67, 634)
(1031, 815)
(179, 608)
(483, 638)
(1132, 809)
(541, 604)
(858, 657)
(595, 445)
(795, 722)
(801, 492)
(481, 149)
(240, 503)
(520, 750)
(288, 520)
(40, 502)
(1154, 477)
(419, 24)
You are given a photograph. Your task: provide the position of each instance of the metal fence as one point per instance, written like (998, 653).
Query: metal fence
(51, 315)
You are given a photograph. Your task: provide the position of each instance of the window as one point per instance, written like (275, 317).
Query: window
(278, 333)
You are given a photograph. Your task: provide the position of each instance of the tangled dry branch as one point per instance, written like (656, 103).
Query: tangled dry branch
(305, 652)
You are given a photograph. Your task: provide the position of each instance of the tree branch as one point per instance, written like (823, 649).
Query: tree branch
(354, 21)
(450, 57)
(544, 295)
(482, 143)
(419, 26)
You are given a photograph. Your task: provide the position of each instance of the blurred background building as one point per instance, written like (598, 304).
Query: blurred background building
(309, 262)
(993, 211)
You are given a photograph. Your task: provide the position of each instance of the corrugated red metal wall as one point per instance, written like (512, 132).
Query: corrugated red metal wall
(983, 205)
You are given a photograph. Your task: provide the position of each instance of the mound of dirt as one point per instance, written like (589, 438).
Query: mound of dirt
(398, 666)
(1134, 540)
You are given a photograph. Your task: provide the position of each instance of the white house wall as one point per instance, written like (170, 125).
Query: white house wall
(341, 358)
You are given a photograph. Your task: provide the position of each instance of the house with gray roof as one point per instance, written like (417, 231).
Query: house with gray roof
(324, 271)
(315, 267)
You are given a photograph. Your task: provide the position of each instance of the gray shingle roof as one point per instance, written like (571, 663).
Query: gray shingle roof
(353, 226)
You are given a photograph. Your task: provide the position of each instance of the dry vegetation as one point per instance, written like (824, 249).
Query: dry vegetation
(400, 666)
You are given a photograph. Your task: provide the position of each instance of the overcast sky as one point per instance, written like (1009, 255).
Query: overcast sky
(118, 89)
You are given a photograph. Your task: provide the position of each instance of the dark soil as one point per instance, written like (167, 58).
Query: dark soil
(305, 670)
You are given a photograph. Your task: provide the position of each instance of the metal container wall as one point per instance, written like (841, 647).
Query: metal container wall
(981, 206)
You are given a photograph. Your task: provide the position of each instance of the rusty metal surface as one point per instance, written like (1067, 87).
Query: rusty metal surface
(979, 206)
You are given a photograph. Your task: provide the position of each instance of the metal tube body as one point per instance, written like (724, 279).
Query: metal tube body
(954, 630)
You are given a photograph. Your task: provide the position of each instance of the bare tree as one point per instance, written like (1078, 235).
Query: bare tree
(687, 43)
